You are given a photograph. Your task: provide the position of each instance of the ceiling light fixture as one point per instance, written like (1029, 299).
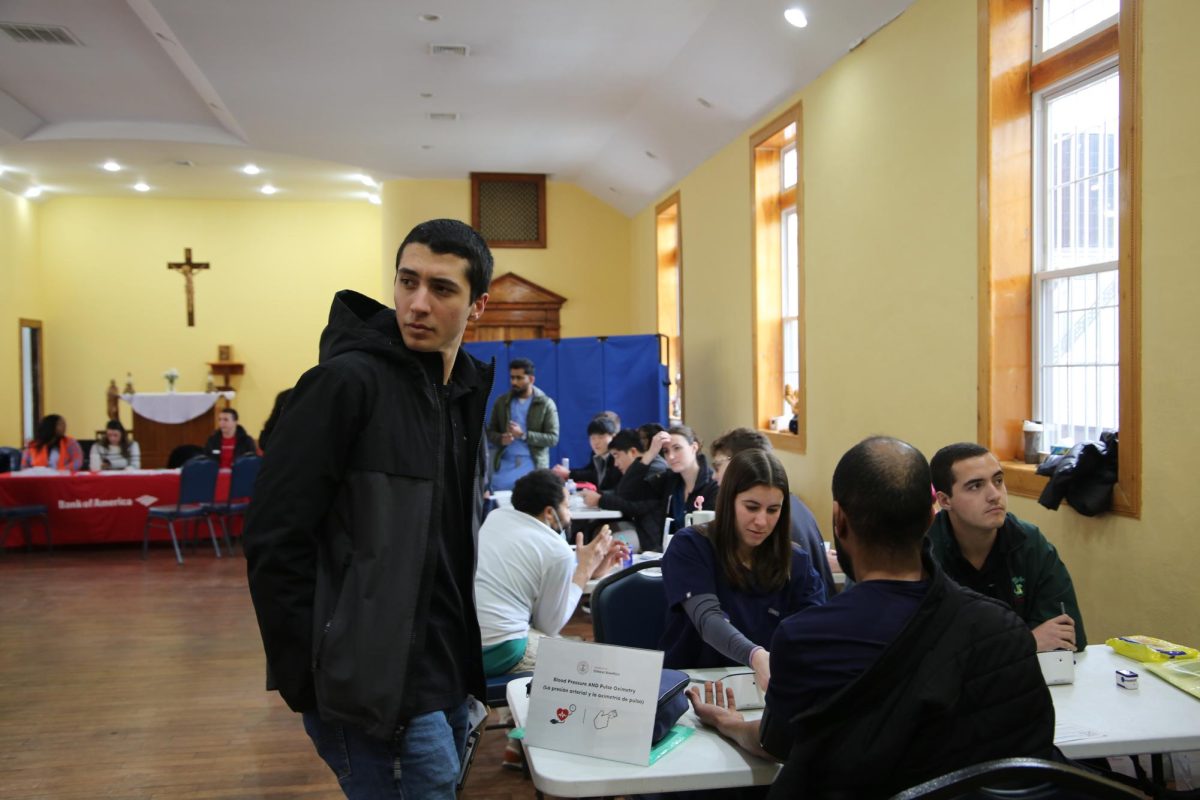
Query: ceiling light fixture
(365, 180)
(374, 198)
(703, 102)
(268, 189)
(111, 166)
(141, 186)
(796, 18)
(251, 169)
(33, 191)
(650, 155)
(426, 95)
(429, 17)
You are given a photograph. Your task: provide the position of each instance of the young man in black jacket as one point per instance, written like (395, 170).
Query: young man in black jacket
(361, 536)
(902, 677)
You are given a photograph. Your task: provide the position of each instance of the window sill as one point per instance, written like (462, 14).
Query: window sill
(1022, 480)
(787, 442)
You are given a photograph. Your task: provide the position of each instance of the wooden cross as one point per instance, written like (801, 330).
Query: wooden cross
(186, 268)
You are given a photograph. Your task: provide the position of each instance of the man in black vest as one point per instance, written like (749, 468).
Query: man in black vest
(902, 677)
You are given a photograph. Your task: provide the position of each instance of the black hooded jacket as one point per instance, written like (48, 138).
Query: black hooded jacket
(342, 534)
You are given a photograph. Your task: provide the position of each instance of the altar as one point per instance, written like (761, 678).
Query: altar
(163, 421)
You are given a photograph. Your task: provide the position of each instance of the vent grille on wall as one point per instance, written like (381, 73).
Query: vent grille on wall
(39, 34)
(459, 50)
(508, 209)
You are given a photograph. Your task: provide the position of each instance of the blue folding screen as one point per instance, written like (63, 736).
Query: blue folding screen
(585, 376)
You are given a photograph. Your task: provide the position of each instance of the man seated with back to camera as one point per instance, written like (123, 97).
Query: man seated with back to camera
(987, 549)
(636, 499)
(904, 676)
(804, 529)
(599, 470)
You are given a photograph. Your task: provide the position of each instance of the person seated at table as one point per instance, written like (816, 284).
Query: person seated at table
(527, 580)
(599, 471)
(51, 447)
(638, 502)
(903, 677)
(804, 531)
(985, 548)
(731, 581)
(647, 432)
(685, 486)
(229, 441)
(116, 450)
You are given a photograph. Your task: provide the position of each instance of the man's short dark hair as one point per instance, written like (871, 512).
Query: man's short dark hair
(454, 237)
(735, 441)
(230, 411)
(941, 467)
(522, 364)
(602, 425)
(535, 490)
(614, 416)
(882, 486)
(625, 440)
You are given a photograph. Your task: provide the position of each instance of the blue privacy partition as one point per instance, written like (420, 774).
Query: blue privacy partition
(587, 375)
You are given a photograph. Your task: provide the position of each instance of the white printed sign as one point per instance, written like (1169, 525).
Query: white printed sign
(594, 700)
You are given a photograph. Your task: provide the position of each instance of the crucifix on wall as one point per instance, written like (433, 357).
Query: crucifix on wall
(186, 268)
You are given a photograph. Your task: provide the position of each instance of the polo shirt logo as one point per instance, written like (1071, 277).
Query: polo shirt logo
(1018, 584)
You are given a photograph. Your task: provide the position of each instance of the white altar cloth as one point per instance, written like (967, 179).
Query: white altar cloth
(173, 408)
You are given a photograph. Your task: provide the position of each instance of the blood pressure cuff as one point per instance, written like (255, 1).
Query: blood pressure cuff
(672, 703)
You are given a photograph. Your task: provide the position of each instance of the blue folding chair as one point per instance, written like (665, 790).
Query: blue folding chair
(23, 515)
(241, 489)
(197, 485)
(629, 608)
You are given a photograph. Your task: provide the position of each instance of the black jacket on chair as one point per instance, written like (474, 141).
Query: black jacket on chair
(960, 685)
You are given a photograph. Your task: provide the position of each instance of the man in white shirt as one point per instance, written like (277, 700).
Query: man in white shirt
(528, 580)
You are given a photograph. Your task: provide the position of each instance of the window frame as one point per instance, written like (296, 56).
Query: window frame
(1008, 80)
(768, 201)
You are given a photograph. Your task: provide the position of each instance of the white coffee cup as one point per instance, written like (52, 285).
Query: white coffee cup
(699, 518)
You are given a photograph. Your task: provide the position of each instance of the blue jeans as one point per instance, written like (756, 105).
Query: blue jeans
(421, 763)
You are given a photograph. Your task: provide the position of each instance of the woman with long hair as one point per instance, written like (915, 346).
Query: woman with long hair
(730, 582)
(51, 447)
(686, 484)
(116, 450)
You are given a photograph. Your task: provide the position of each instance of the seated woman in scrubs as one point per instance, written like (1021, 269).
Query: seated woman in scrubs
(731, 581)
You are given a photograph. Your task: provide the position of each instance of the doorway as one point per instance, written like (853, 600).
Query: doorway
(32, 389)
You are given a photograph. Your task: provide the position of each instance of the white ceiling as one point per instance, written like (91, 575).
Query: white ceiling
(317, 91)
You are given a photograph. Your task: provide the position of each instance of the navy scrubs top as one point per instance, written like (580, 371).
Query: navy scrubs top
(690, 568)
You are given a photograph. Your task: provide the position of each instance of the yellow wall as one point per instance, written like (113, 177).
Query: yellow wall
(112, 306)
(20, 298)
(890, 254)
(586, 259)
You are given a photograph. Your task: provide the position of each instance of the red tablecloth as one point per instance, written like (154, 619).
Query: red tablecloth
(88, 508)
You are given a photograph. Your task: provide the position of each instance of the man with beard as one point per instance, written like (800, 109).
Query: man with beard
(522, 428)
(985, 548)
(905, 671)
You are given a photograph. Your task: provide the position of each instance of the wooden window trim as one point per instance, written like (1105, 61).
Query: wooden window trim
(511, 177)
(672, 260)
(1007, 81)
(765, 146)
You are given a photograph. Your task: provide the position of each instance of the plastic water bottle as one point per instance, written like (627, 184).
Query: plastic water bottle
(570, 486)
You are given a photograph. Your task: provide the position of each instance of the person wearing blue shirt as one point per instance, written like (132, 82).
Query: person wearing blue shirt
(729, 583)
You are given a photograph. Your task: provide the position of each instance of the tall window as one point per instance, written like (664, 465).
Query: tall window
(778, 357)
(1076, 129)
(669, 252)
(1060, 298)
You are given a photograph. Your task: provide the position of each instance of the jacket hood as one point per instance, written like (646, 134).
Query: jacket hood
(356, 323)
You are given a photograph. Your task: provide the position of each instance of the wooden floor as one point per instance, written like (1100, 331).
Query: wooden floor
(128, 679)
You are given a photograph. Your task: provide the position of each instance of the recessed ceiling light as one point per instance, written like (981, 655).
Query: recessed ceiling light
(426, 95)
(2, 169)
(703, 102)
(796, 17)
(613, 189)
(141, 186)
(365, 180)
(429, 17)
(268, 189)
(650, 155)
(111, 166)
(251, 169)
(374, 198)
(33, 191)
(426, 147)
